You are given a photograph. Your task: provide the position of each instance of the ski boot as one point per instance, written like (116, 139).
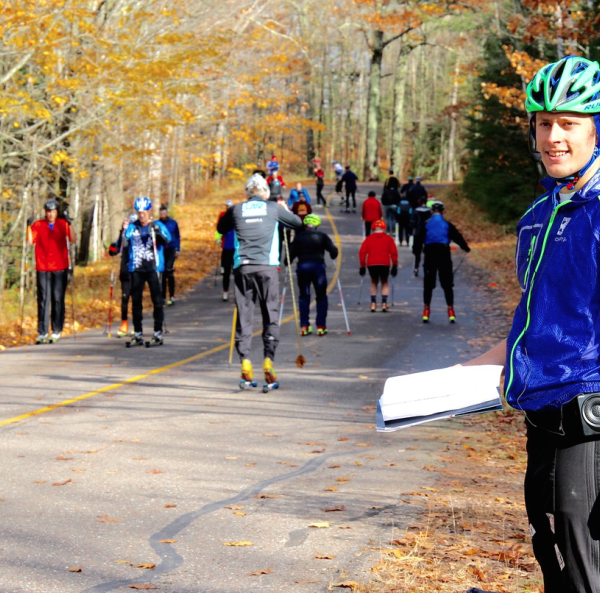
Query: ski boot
(54, 338)
(416, 271)
(384, 307)
(123, 330)
(171, 302)
(42, 339)
(321, 331)
(247, 379)
(270, 376)
(225, 296)
(157, 339)
(305, 330)
(373, 307)
(451, 315)
(426, 313)
(137, 340)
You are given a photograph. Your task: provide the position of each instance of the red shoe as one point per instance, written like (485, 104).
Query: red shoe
(426, 313)
(451, 315)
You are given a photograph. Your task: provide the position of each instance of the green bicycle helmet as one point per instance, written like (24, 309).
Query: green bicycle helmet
(312, 219)
(571, 84)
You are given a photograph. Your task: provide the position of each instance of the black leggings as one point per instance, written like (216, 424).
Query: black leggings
(227, 265)
(51, 291)
(125, 294)
(138, 280)
(168, 276)
(438, 262)
(350, 193)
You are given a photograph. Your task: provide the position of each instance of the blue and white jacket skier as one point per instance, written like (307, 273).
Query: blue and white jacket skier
(141, 247)
(553, 348)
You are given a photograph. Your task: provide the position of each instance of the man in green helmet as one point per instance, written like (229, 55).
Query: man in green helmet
(552, 353)
(310, 247)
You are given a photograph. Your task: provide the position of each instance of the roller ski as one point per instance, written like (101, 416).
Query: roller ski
(247, 380)
(157, 340)
(42, 339)
(270, 376)
(137, 340)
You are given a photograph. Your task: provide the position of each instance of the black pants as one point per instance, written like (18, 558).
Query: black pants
(403, 227)
(227, 265)
(51, 291)
(256, 284)
(125, 294)
(562, 498)
(168, 276)
(367, 228)
(312, 273)
(138, 280)
(417, 250)
(438, 262)
(350, 193)
(320, 197)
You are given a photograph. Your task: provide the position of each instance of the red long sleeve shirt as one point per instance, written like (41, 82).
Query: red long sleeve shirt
(51, 251)
(378, 249)
(371, 210)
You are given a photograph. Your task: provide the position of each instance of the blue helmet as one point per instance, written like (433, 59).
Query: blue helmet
(142, 204)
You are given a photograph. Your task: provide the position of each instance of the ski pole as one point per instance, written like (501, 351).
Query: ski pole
(343, 305)
(300, 361)
(232, 334)
(393, 284)
(459, 264)
(362, 281)
(282, 298)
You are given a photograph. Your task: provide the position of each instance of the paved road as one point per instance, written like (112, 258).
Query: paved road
(160, 444)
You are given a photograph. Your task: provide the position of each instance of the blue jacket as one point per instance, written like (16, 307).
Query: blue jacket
(295, 196)
(141, 249)
(173, 228)
(553, 346)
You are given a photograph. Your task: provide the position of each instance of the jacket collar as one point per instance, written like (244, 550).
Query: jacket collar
(589, 191)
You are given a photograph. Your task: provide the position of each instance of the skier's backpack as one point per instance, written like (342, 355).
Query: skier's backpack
(390, 197)
(275, 187)
(404, 207)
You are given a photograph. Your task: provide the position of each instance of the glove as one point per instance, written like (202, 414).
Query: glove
(394, 271)
(362, 271)
(112, 250)
(67, 217)
(30, 221)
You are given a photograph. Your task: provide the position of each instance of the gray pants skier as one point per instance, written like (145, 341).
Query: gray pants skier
(256, 283)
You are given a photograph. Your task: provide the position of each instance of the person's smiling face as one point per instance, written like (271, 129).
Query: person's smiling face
(565, 140)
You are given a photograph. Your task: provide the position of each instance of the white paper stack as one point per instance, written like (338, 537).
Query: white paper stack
(422, 397)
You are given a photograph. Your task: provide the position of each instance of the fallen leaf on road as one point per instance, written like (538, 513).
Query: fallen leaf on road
(318, 451)
(342, 479)
(334, 509)
(314, 444)
(167, 541)
(363, 444)
(363, 377)
(239, 514)
(61, 458)
(344, 527)
(122, 562)
(347, 585)
(358, 463)
(75, 569)
(343, 439)
(231, 457)
(40, 482)
(237, 544)
(107, 519)
(154, 471)
(268, 496)
(170, 506)
(142, 587)
(62, 483)
(145, 565)
(307, 581)
(234, 507)
(320, 525)
(78, 469)
(331, 489)
(334, 467)
(324, 557)
(257, 573)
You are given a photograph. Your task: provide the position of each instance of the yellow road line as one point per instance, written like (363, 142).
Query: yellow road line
(168, 367)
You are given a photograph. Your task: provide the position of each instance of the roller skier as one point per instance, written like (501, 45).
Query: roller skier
(146, 239)
(256, 222)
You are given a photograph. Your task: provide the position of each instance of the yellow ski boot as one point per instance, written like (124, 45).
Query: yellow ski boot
(270, 376)
(247, 380)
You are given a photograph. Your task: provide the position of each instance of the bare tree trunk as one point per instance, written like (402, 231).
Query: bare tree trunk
(371, 170)
(398, 115)
(453, 123)
(89, 208)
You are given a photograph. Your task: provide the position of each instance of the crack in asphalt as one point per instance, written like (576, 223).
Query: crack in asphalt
(170, 559)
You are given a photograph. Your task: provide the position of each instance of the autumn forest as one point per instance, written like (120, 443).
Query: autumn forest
(105, 100)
